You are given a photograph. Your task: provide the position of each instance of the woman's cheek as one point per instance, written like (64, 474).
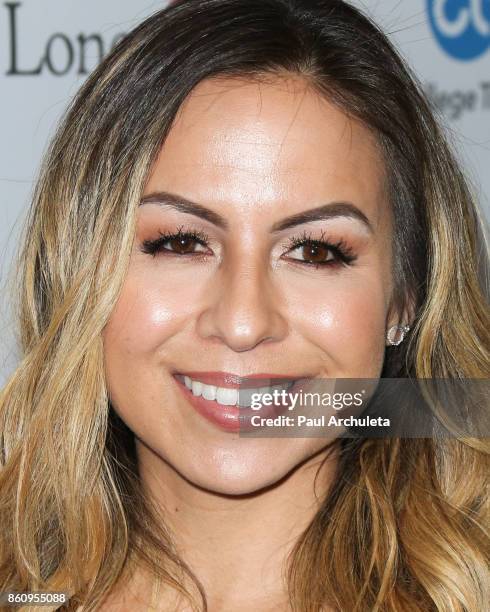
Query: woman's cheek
(345, 320)
(151, 309)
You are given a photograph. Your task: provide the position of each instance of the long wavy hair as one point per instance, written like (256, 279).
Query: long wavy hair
(403, 527)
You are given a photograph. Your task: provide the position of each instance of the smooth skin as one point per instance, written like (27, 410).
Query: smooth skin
(254, 153)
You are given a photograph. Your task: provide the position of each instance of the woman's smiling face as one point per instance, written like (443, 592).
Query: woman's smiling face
(243, 163)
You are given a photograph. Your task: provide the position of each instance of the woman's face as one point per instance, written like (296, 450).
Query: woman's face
(251, 168)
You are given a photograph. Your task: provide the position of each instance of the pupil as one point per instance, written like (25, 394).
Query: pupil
(314, 252)
(181, 244)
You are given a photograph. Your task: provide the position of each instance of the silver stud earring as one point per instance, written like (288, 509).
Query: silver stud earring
(396, 334)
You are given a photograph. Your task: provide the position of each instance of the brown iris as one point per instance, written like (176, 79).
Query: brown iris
(182, 244)
(315, 253)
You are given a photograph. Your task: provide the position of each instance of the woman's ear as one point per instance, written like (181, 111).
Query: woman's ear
(401, 314)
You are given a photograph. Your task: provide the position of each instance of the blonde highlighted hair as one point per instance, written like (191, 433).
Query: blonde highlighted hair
(404, 526)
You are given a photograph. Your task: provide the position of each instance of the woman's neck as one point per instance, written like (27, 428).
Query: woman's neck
(237, 545)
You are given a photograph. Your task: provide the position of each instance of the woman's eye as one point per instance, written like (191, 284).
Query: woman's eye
(179, 243)
(310, 252)
(315, 253)
(321, 253)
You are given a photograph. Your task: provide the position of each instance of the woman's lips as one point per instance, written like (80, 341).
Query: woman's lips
(231, 418)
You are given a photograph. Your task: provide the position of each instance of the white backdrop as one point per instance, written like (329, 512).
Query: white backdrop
(47, 47)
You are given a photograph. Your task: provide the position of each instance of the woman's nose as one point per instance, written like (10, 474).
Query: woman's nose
(243, 308)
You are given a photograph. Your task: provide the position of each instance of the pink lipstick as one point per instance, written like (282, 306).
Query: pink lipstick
(234, 418)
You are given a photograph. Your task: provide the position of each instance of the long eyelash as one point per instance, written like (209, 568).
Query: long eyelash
(344, 254)
(151, 247)
(340, 249)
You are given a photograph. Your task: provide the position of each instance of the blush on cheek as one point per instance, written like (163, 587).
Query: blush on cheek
(347, 326)
(141, 320)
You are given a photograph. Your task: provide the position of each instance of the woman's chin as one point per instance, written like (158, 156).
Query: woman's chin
(234, 483)
(240, 474)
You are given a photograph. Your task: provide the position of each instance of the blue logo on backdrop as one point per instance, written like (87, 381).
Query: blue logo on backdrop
(462, 27)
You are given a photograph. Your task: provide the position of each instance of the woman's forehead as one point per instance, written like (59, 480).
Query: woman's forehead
(245, 141)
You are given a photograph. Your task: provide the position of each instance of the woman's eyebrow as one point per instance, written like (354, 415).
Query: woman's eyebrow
(326, 211)
(171, 200)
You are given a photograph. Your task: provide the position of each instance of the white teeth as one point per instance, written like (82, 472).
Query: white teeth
(196, 388)
(227, 397)
(208, 392)
(230, 397)
(245, 397)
